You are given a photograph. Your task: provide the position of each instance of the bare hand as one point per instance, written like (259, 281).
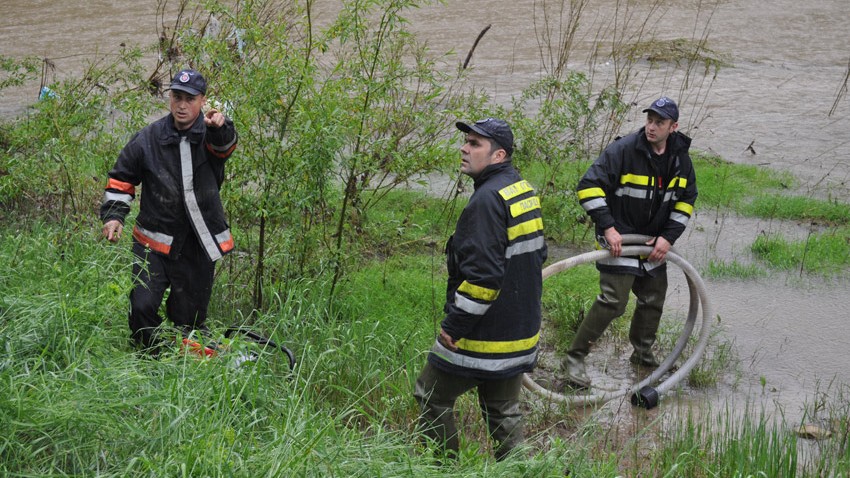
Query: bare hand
(213, 118)
(112, 230)
(447, 341)
(659, 250)
(614, 240)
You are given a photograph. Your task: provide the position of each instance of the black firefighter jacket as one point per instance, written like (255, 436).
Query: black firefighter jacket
(638, 193)
(181, 177)
(495, 281)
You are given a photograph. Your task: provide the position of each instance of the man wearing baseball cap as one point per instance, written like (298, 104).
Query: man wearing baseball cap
(643, 183)
(488, 336)
(181, 229)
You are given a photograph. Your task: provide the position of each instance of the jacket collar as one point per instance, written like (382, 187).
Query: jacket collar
(170, 134)
(491, 171)
(676, 142)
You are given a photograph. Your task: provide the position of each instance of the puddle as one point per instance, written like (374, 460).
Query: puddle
(788, 332)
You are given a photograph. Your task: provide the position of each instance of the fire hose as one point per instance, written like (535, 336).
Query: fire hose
(644, 393)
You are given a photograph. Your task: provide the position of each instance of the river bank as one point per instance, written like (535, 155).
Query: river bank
(773, 107)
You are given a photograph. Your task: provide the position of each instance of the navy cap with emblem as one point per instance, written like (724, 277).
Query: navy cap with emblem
(665, 107)
(190, 81)
(492, 128)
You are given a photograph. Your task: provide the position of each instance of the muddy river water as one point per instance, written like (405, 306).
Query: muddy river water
(777, 105)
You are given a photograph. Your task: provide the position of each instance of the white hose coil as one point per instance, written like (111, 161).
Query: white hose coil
(698, 296)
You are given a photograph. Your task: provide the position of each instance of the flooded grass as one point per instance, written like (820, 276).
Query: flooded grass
(726, 185)
(821, 253)
(719, 360)
(799, 208)
(679, 51)
(760, 192)
(732, 269)
(721, 446)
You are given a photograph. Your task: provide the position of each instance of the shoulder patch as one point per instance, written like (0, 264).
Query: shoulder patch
(515, 189)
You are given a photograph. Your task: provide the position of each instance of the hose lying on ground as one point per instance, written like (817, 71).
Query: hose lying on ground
(642, 393)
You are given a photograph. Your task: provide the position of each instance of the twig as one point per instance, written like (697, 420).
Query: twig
(842, 90)
(471, 50)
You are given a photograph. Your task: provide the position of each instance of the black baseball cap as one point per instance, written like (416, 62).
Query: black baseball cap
(665, 107)
(190, 81)
(495, 129)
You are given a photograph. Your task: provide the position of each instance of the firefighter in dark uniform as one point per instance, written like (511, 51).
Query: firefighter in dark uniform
(490, 332)
(643, 183)
(181, 228)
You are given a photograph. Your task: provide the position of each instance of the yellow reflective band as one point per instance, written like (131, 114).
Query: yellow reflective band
(635, 179)
(515, 189)
(591, 193)
(502, 347)
(684, 207)
(524, 206)
(524, 228)
(682, 182)
(478, 292)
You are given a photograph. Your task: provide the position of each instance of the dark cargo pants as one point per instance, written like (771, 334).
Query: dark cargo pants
(190, 277)
(436, 392)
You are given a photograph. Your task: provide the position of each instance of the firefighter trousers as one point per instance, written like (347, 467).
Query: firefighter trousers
(190, 279)
(436, 392)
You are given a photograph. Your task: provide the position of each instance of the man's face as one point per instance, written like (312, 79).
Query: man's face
(476, 154)
(658, 129)
(185, 108)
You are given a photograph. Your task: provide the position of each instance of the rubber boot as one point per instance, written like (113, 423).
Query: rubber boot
(609, 304)
(575, 372)
(500, 407)
(642, 335)
(650, 293)
(591, 328)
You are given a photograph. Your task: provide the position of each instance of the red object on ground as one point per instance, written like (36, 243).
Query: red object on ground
(197, 348)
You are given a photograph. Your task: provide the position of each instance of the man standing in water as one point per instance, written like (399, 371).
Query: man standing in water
(489, 335)
(180, 230)
(643, 183)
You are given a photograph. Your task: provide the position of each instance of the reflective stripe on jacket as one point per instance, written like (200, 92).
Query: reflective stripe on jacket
(495, 259)
(629, 189)
(181, 174)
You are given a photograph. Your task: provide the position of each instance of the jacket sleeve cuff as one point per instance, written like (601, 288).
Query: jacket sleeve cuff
(671, 235)
(604, 221)
(450, 326)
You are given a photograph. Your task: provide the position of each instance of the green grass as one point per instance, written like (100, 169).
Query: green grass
(798, 208)
(567, 296)
(706, 445)
(822, 253)
(410, 221)
(726, 185)
(718, 359)
(721, 269)
(77, 400)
